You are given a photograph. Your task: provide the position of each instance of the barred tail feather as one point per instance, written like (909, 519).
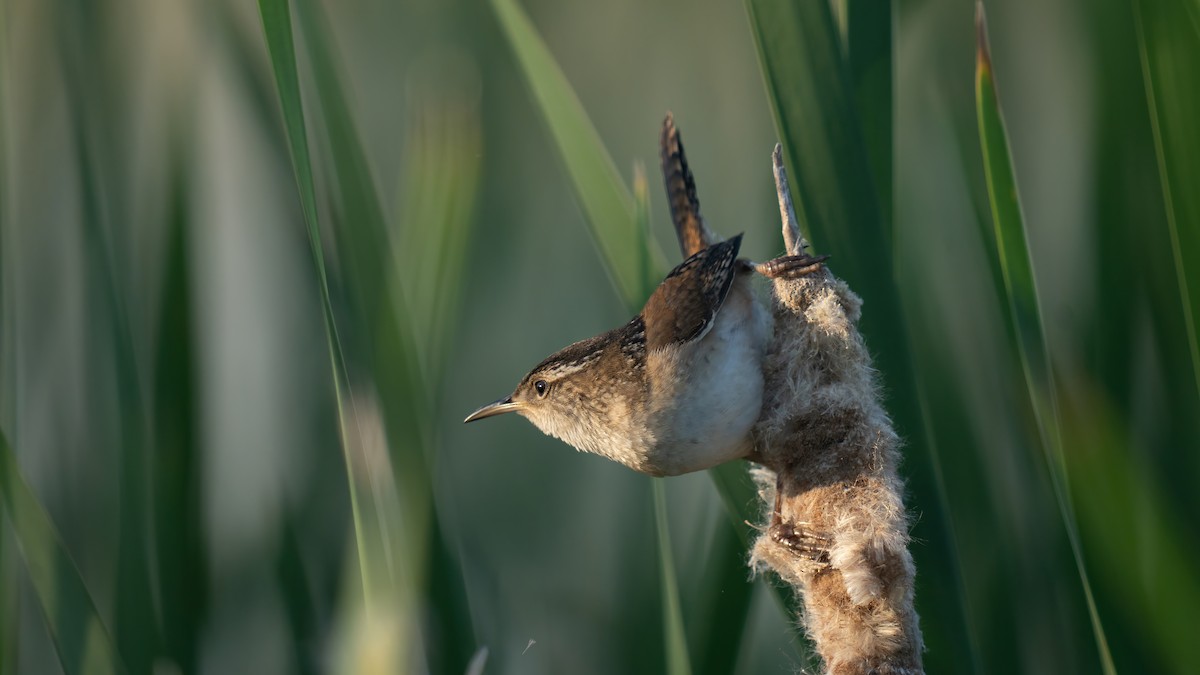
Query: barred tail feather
(681, 193)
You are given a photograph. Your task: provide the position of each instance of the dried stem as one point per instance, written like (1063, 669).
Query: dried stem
(792, 238)
(839, 534)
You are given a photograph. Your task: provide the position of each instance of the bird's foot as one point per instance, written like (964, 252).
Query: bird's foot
(791, 266)
(799, 539)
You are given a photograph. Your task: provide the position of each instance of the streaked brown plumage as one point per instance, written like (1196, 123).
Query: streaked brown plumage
(679, 387)
(676, 389)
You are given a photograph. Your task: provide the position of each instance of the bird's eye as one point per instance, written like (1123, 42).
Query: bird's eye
(541, 387)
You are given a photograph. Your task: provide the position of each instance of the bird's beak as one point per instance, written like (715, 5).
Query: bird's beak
(502, 406)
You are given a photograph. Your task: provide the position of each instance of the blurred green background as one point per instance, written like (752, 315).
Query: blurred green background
(237, 344)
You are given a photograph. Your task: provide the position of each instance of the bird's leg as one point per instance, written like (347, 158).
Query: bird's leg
(797, 537)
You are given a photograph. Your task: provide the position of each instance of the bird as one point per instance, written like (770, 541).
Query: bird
(678, 387)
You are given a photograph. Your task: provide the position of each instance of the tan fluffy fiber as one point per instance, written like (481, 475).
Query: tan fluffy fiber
(829, 447)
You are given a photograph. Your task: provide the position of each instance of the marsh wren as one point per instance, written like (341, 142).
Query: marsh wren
(678, 388)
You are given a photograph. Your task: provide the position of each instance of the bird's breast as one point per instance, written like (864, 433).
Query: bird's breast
(705, 396)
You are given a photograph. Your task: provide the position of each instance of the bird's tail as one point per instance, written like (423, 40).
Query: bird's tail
(681, 193)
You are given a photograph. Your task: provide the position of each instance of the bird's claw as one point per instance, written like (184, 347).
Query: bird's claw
(801, 541)
(791, 266)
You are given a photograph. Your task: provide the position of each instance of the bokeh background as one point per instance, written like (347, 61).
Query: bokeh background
(239, 496)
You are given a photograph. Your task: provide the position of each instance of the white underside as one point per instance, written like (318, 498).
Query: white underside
(705, 417)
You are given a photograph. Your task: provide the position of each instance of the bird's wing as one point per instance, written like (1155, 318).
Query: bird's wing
(684, 305)
(693, 235)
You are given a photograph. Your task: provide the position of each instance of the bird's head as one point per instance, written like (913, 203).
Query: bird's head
(565, 396)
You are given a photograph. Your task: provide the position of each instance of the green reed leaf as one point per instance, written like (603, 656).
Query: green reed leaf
(1021, 288)
(277, 26)
(1169, 42)
(177, 489)
(1149, 565)
(83, 643)
(602, 194)
(676, 647)
(868, 46)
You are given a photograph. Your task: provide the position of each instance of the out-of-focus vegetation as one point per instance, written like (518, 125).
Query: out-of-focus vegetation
(256, 263)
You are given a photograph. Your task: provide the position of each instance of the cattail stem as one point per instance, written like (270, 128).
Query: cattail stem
(837, 531)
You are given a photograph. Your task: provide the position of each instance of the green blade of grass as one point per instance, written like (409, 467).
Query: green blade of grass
(676, 638)
(868, 42)
(813, 104)
(135, 628)
(1168, 33)
(743, 507)
(82, 641)
(1009, 230)
(931, 383)
(602, 194)
(1021, 288)
(361, 233)
(302, 615)
(403, 346)
(436, 199)
(372, 512)
(441, 171)
(254, 78)
(277, 27)
(719, 625)
(177, 490)
(396, 525)
(441, 177)
(81, 47)
(1160, 586)
(10, 606)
